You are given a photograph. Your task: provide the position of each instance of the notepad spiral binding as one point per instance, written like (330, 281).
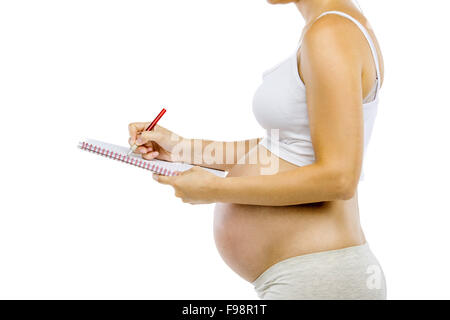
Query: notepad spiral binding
(148, 165)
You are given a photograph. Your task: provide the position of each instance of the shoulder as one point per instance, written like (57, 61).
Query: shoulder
(332, 51)
(333, 35)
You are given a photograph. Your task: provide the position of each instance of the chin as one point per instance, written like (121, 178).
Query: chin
(281, 1)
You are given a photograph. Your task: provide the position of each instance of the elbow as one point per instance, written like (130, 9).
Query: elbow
(347, 192)
(344, 186)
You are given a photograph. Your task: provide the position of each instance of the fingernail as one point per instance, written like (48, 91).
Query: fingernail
(155, 177)
(139, 141)
(154, 154)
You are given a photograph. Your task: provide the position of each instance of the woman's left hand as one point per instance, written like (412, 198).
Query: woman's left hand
(194, 186)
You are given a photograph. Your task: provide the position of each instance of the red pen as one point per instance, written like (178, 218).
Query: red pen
(149, 128)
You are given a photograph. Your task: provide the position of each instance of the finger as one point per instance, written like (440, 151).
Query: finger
(164, 179)
(182, 173)
(149, 146)
(186, 172)
(142, 150)
(191, 202)
(150, 155)
(146, 137)
(196, 169)
(135, 128)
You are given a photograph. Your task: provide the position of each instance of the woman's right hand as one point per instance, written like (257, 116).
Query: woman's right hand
(155, 144)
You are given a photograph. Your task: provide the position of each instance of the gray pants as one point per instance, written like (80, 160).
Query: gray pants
(349, 273)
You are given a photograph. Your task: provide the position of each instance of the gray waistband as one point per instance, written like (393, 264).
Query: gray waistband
(310, 258)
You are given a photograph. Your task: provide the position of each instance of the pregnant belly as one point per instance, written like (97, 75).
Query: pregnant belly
(252, 238)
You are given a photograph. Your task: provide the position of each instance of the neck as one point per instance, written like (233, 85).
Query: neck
(311, 9)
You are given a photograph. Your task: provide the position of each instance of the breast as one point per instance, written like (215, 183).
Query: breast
(279, 102)
(279, 105)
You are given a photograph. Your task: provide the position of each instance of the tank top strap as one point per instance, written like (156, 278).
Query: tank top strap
(366, 35)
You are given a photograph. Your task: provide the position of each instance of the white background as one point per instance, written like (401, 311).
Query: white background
(73, 225)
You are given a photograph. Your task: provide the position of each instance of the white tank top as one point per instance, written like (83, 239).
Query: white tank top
(280, 103)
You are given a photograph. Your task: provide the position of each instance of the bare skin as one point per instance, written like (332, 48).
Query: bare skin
(260, 220)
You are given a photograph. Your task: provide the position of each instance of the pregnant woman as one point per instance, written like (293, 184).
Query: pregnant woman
(291, 225)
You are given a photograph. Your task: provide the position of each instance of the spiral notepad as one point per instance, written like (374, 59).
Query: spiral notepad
(120, 153)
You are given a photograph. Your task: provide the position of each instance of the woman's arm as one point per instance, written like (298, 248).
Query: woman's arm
(332, 72)
(163, 144)
(219, 155)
